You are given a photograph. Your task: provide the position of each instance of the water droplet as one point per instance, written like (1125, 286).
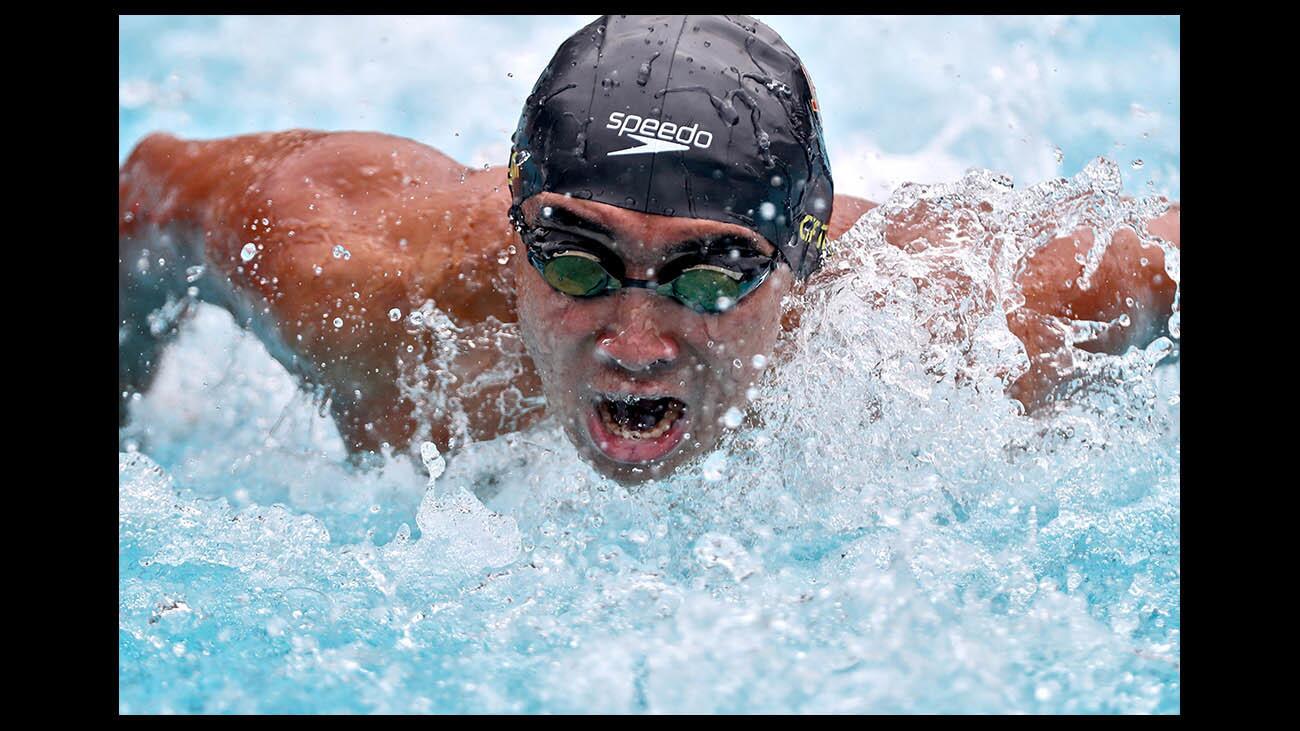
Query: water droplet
(713, 466)
(732, 418)
(248, 252)
(433, 462)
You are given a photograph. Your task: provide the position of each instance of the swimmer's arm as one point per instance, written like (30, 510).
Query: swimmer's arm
(1131, 280)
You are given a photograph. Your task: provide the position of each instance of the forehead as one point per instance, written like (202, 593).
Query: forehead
(651, 231)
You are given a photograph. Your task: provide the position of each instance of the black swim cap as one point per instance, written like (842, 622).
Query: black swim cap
(696, 116)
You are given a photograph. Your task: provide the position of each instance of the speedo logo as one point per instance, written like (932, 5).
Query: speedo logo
(652, 135)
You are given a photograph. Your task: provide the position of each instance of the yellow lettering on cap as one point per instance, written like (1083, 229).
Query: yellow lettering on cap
(806, 228)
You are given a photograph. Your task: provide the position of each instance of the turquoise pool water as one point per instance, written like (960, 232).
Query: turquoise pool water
(893, 535)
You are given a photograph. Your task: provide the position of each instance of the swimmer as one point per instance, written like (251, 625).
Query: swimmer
(659, 203)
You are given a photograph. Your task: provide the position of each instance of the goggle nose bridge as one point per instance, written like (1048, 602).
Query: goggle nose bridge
(650, 284)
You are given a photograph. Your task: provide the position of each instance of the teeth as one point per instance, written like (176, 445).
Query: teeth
(665, 423)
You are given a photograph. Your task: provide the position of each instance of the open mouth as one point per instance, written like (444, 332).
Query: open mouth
(637, 428)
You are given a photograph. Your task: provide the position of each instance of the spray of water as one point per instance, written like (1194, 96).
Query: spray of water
(888, 532)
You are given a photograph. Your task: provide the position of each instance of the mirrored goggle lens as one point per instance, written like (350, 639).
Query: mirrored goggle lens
(709, 290)
(576, 275)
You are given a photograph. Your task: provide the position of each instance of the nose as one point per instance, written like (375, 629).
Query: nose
(636, 341)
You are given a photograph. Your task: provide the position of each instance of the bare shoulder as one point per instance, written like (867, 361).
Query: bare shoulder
(375, 162)
(389, 217)
(846, 212)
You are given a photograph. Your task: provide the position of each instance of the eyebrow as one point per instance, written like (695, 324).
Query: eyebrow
(565, 218)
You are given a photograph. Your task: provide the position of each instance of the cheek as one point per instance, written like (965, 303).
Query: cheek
(752, 329)
(553, 326)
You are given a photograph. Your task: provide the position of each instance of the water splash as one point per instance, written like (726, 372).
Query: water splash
(890, 533)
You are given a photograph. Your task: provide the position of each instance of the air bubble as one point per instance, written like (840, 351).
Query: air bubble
(248, 252)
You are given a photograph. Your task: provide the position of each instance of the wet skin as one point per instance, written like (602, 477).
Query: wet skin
(417, 225)
(637, 342)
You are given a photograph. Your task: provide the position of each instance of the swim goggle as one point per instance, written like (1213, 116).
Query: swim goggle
(707, 281)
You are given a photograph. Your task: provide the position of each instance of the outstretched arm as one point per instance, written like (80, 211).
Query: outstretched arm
(1130, 290)
(1130, 286)
(311, 239)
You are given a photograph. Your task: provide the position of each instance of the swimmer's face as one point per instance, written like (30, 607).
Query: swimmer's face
(640, 381)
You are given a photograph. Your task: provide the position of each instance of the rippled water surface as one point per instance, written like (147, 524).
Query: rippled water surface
(886, 532)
